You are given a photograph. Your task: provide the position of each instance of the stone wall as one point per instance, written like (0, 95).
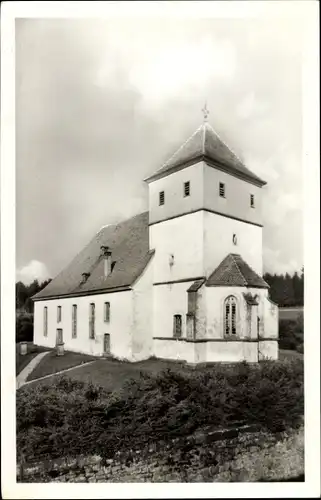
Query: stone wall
(199, 458)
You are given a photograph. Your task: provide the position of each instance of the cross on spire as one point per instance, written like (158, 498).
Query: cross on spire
(205, 112)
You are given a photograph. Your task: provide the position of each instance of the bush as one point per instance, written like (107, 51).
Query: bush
(71, 418)
(291, 333)
(24, 328)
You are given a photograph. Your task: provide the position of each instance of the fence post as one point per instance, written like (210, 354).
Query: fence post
(21, 467)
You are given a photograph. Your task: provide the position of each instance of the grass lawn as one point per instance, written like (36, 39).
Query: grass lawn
(53, 363)
(23, 361)
(112, 374)
(290, 312)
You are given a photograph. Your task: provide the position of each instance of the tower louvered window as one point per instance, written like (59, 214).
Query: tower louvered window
(162, 198)
(186, 188)
(222, 189)
(230, 311)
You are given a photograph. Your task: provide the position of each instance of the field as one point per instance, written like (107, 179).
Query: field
(290, 312)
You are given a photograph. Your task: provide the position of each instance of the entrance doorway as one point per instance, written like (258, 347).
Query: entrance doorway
(107, 344)
(59, 336)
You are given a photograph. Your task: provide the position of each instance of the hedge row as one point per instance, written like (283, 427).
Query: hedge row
(72, 418)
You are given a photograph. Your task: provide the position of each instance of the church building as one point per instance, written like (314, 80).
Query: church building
(182, 281)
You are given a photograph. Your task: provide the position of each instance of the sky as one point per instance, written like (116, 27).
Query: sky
(101, 104)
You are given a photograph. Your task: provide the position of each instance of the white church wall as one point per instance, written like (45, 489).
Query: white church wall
(237, 195)
(168, 300)
(119, 327)
(268, 349)
(178, 350)
(142, 345)
(183, 238)
(230, 352)
(173, 187)
(271, 314)
(218, 242)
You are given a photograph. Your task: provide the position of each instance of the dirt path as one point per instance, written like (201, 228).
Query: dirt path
(54, 374)
(23, 375)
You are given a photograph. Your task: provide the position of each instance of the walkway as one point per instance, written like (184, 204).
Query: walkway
(55, 373)
(23, 375)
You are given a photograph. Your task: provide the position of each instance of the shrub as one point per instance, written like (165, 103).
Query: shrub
(291, 333)
(74, 417)
(24, 328)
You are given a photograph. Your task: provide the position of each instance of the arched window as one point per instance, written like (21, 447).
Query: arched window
(230, 312)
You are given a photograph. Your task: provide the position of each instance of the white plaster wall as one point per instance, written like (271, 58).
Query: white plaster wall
(183, 238)
(173, 186)
(218, 242)
(119, 327)
(175, 349)
(271, 315)
(231, 351)
(169, 300)
(237, 195)
(268, 349)
(143, 314)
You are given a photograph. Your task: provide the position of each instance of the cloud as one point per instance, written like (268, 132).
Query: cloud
(33, 270)
(102, 104)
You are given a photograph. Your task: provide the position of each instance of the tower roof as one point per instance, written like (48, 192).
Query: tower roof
(205, 145)
(234, 271)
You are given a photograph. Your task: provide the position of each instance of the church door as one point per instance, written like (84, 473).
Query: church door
(59, 336)
(107, 343)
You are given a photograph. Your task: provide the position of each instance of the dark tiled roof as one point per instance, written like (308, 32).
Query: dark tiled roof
(129, 243)
(207, 146)
(196, 285)
(234, 271)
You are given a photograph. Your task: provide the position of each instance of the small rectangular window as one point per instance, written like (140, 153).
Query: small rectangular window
(222, 189)
(252, 200)
(186, 188)
(177, 326)
(74, 321)
(92, 321)
(58, 314)
(162, 198)
(45, 321)
(107, 311)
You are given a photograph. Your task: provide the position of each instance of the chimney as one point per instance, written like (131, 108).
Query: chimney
(85, 277)
(106, 253)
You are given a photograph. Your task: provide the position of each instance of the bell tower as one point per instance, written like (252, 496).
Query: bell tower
(204, 203)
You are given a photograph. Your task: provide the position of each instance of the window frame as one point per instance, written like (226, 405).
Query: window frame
(45, 321)
(221, 188)
(59, 314)
(106, 312)
(161, 198)
(187, 189)
(92, 320)
(177, 319)
(230, 318)
(74, 313)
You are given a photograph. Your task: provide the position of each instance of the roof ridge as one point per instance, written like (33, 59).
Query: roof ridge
(181, 147)
(240, 272)
(228, 147)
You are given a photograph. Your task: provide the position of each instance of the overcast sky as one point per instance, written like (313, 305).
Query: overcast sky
(102, 104)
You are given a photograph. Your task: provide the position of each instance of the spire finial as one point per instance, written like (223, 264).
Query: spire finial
(205, 112)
